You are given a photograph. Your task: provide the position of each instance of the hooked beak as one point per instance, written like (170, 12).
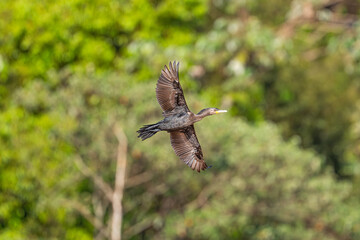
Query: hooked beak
(221, 111)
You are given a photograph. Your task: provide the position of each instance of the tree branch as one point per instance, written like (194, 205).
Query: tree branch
(138, 179)
(119, 184)
(139, 227)
(100, 183)
(85, 212)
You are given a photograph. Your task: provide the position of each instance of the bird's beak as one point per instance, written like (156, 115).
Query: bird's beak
(221, 111)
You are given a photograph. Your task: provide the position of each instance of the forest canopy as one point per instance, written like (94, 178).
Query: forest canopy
(286, 157)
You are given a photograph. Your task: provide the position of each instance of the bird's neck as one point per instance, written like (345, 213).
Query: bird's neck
(200, 115)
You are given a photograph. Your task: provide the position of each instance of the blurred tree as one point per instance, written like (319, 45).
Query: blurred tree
(70, 70)
(273, 189)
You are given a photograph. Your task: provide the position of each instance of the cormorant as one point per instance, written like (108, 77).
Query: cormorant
(178, 119)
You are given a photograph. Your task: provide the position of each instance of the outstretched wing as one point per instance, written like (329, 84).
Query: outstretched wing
(187, 148)
(168, 89)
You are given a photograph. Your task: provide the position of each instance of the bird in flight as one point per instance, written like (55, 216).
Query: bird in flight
(178, 119)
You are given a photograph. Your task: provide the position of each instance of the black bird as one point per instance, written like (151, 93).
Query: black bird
(178, 119)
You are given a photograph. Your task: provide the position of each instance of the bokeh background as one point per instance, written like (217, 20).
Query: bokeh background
(286, 158)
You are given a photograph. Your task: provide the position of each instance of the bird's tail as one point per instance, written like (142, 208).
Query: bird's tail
(148, 130)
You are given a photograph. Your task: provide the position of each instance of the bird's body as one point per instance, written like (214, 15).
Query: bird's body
(178, 119)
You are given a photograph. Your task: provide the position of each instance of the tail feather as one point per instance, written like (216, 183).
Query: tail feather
(148, 131)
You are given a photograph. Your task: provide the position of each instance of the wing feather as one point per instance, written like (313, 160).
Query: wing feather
(168, 89)
(187, 148)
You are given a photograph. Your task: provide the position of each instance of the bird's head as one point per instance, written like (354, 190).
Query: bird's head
(210, 111)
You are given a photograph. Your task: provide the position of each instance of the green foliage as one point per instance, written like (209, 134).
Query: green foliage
(270, 190)
(326, 125)
(71, 70)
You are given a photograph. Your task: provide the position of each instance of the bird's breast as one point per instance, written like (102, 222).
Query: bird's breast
(177, 121)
